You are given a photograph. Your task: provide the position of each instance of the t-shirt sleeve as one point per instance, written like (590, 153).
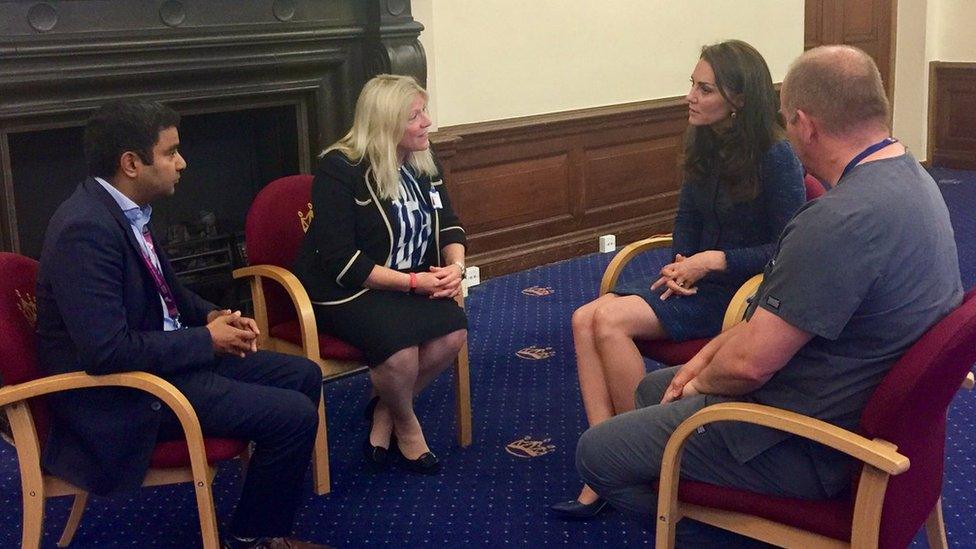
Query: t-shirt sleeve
(825, 266)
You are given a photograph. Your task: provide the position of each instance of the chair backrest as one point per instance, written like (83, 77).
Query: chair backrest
(909, 409)
(18, 316)
(815, 189)
(18, 335)
(273, 233)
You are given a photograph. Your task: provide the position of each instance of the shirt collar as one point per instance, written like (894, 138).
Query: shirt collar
(138, 216)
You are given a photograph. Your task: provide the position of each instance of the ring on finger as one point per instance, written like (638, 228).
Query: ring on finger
(680, 283)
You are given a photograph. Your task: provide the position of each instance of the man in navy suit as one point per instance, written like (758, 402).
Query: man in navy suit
(108, 301)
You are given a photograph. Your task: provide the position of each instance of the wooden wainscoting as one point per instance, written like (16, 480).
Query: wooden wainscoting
(952, 115)
(543, 188)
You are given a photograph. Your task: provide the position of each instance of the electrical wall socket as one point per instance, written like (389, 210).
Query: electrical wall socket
(472, 276)
(608, 243)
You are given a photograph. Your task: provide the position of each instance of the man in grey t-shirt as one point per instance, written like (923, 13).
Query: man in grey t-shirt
(860, 274)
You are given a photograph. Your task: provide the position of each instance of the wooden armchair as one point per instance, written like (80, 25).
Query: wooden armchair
(674, 353)
(22, 398)
(274, 229)
(900, 445)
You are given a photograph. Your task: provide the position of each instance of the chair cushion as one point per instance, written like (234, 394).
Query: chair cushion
(831, 518)
(330, 347)
(175, 453)
(671, 353)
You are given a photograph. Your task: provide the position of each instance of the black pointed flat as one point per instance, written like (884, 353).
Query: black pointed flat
(574, 510)
(426, 464)
(377, 457)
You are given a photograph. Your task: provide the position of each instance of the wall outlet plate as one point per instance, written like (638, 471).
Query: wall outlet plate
(608, 243)
(472, 276)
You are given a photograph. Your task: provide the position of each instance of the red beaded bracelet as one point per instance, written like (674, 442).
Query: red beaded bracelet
(413, 283)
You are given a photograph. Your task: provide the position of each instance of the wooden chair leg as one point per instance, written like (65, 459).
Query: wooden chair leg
(320, 455)
(31, 479)
(462, 400)
(935, 531)
(74, 519)
(205, 507)
(33, 525)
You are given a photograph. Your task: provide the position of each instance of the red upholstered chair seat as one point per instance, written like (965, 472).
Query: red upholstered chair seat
(831, 518)
(330, 347)
(670, 352)
(175, 453)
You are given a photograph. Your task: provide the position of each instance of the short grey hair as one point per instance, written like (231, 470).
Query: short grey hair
(840, 86)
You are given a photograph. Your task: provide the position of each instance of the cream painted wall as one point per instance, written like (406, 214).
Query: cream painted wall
(911, 74)
(928, 30)
(509, 58)
(955, 39)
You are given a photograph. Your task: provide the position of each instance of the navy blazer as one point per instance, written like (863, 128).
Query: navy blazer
(98, 310)
(351, 232)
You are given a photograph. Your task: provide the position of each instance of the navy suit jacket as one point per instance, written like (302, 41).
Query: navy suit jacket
(98, 310)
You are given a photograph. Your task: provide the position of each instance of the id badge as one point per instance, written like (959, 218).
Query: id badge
(435, 199)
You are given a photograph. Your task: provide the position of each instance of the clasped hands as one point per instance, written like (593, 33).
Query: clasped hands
(232, 333)
(680, 277)
(683, 383)
(440, 282)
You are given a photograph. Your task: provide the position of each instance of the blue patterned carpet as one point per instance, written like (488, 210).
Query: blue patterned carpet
(527, 419)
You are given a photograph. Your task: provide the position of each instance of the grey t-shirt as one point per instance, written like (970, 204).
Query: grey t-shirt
(867, 269)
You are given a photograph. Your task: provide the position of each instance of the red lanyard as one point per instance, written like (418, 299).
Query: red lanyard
(161, 285)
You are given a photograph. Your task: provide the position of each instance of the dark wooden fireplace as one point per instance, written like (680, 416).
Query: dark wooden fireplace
(262, 86)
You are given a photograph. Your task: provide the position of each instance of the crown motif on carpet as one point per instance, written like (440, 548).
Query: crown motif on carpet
(27, 304)
(306, 218)
(527, 448)
(538, 291)
(535, 353)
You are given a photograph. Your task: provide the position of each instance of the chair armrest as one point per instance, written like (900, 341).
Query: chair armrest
(736, 310)
(297, 294)
(627, 253)
(878, 453)
(879, 456)
(143, 381)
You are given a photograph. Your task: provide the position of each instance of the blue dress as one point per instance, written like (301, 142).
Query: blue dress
(708, 219)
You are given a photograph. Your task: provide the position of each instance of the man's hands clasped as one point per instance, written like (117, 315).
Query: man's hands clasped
(232, 333)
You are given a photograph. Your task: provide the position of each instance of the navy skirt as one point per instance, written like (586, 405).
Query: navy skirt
(380, 322)
(687, 317)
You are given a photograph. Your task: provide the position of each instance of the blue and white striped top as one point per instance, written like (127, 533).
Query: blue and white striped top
(411, 218)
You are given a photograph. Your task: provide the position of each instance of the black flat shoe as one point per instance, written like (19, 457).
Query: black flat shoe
(426, 464)
(574, 510)
(377, 457)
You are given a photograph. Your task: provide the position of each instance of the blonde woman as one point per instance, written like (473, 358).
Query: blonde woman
(383, 260)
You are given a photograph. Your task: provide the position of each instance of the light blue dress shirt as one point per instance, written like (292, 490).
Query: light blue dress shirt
(138, 217)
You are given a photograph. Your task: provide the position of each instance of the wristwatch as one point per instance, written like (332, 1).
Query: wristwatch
(460, 266)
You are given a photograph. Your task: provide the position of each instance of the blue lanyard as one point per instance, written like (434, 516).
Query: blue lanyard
(868, 152)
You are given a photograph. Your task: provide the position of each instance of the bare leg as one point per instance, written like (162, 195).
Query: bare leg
(393, 380)
(615, 326)
(607, 387)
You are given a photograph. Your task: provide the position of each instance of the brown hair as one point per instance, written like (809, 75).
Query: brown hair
(840, 86)
(733, 155)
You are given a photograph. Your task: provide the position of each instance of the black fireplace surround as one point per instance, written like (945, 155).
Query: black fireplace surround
(262, 87)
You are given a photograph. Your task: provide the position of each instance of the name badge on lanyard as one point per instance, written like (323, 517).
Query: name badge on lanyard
(435, 199)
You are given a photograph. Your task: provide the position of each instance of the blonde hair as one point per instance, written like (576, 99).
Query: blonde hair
(381, 117)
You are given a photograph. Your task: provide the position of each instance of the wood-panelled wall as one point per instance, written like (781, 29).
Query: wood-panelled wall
(952, 115)
(543, 188)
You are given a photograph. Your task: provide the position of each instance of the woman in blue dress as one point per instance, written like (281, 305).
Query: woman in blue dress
(742, 184)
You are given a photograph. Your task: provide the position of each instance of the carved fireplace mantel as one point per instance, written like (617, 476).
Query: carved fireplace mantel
(60, 59)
